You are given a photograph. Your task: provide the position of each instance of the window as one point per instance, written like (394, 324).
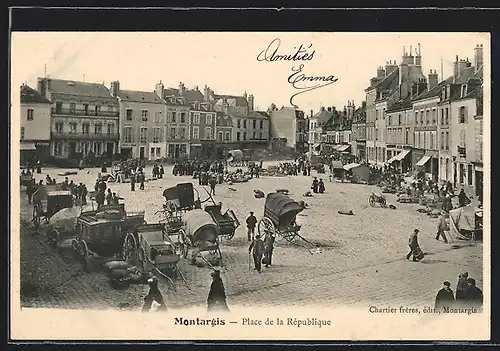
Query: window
(58, 148)
(72, 128)
(144, 135)
(98, 128)
(447, 140)
(389, 120)
(144, 115)
(424, 146)
(245, 135)
(208, 118)
(111, 128)
(469, 174)
(463, 138)
(399, 120)
(261, 136)
(220, 136)
(227, 136)
(431, 142)
(196, 118)
(130, 114)
(416, 117)
(22, 133)
(110, 108)
(442, 116)
(238, 123)
(463, 91)
(86, 108)
(182, 133)
(442, 141)
(156, 135)
(97, 110)
(208, 133)
(244, 124)
(172, 117)
(261, 124)
(152, 152)
(72, 107)
(183, 117)
(462, 114)
(254, 124)
(173, 133)
(462, 173)
(59, 127)
(196, 132)
(158, 152)
(128, 137)
(407, 136)
(238, 136)
(427, 113)
(421, 117)
(434, 113)
(29, 114)
(158, 116)
(85, 128)
(254, 135)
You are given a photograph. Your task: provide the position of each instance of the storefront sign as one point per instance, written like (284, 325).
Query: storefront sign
(42, 144)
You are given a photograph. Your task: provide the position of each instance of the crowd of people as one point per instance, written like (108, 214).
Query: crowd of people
(467, 294)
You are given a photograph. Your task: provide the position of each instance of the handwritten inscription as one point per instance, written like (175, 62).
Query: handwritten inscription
(298, 79)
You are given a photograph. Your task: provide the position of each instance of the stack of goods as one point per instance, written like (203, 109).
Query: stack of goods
(273, 171)
(121, 272)
(109, 214)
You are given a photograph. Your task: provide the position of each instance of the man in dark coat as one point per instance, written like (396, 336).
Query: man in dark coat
(30, 189)
(257, 249)
(251, 222)
(217, 295)
(314, 186)
(462, 198)
(413, 243)
(154, 295)
(444, 297)
(132, 182)
(99, 198)
(141, 179)
(473, 295)
(461, 286)
(268, 250)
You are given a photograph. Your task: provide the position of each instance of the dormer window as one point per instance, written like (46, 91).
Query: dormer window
(443, 93)
(463, 90)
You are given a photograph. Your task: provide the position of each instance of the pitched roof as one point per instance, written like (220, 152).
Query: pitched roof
(239, 100)
(434, 92)
(385, 83)
(30, 96)
(401, 105)
(77, 88)
(140, 96)
(323, 116)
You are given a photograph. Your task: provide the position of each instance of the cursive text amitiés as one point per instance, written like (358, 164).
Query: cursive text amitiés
(298, 80)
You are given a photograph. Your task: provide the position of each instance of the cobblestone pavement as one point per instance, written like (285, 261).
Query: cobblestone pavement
(360, 261)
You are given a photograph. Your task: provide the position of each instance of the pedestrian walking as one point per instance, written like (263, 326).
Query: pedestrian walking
(441, 227)
(217, 295)
(99, 198)
(132, 182)
(141, 180)
(30, 189)
(268, 250)
(154, 294)
(162, 171)
(463, 200)
(413, 244)
(257, 250)
(213, 183)
(444, 297)
(251, 222)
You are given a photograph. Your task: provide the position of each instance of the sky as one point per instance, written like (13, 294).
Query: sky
(227, 62)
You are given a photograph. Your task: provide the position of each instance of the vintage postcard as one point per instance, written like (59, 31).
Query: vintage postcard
(250, 186)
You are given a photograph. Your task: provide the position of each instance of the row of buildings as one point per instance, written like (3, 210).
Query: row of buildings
(67, 120)
(413, 121)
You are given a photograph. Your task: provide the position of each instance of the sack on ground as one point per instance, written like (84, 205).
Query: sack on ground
(116, 265)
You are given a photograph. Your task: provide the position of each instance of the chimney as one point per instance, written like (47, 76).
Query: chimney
(181, 88)
(312, 113)
(245, 96)
(380, 73)
(250, 103)
(115, 88)
(390, 67)
(462, 65)
(374, 81)
(329, 109)
(206, 93)
(408, 59)
(160, 90)
(478, 56)
(433, 79)
(455, 69)
(225, 106)
(322, 108)
(40, 86)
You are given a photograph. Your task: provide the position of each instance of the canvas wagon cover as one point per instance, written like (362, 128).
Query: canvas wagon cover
(65, 220)
(280, 205)
(463, 218)
(200, 226)
(236, 155)
(337, 165)
(182, 195)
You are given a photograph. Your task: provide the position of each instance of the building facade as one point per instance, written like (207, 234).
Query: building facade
(85, 119)
(224, 132)
(35, 124)
(142, 123)
(288, 124)
(399, 138)
(203, 129)
(358, 133)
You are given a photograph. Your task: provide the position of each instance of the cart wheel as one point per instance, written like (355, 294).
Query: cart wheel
(289, 236)
(371, 200)
(36, 216)
(84, 256)
(265, 227)
(383, 203)
(142, 259)
(183, 243)
(129, 248)
(230, 235)
(54, 238)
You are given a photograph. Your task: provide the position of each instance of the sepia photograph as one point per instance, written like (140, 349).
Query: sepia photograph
(250, 185)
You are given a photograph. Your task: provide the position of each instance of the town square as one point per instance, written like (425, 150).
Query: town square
(185, 195)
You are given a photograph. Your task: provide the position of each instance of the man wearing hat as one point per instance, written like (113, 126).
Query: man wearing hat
(257, 248)
(251, 222)
(413, 243)
(217, 295)
(444, 297)
(441, 227)
(473, 295)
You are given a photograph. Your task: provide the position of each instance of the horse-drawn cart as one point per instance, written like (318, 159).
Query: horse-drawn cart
(280, 212)
(48, 200)
(235, 158)
(200, 234)
(227, 221)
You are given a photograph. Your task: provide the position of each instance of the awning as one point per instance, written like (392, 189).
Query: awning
(399, 156)
(423, 160)
(351, 166)
(344, 147)
(24, 146)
